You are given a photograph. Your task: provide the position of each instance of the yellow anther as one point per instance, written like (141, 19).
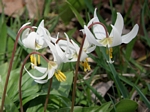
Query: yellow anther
(86, 65)
(109, 52)
(39, 61)
(60, 76)
(35, 62)
(32, 58)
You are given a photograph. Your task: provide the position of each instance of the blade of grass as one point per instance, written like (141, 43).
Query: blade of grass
(78, 16)
(146, 101)
(117, 81)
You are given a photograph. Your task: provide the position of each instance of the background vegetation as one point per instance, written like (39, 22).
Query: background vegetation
(121, 87)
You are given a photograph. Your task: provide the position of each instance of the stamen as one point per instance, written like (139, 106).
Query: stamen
(35, 62)
(32, 58)
(60, 76)
(109, 52)
(86, 65)
(39, 62)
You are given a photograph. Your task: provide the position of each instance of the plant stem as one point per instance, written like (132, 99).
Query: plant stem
(10, 66)
(76, 73)
(47, 97)
(20, 78)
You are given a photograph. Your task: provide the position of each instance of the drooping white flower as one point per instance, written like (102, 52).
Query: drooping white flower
(68, 50)
(101, 37)
(47, 73)
(35, 40)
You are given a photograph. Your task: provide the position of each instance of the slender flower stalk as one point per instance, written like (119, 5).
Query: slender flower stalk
(76, 73)
(48, 92)
(11, 62)
(20, 78)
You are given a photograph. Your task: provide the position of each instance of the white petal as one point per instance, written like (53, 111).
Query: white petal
(40, 69)
(29, 42)
(24, 25)
(128, 37)
(95, 15)
(116, 37)
(86, 43)
(99, 31)
(35, 78)
(91, 49)
(83, 56)
(39, 29)
(41, 81)
(93, 20)
(119, 23)
(51, 73)
(54, 52)
(25, 34)
(91, 37)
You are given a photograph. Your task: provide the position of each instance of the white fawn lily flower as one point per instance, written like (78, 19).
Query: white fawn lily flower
(47, 72)
(51, 69)
(35, 40)
(58, 61)
(101, 37)
(69, 51)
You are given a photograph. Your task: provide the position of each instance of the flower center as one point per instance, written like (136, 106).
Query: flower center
(37, 45)
(106, 41)
(86, 65)
(60, 76)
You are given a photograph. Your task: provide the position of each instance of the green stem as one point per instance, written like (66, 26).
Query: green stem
(10, 65)
(47, 97)
(76, 73)
(20, 78)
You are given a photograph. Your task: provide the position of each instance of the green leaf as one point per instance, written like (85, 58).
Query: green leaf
(103, 108)
(146, 101)
(3, 38)
(64, 10)
(9, 105)
(118, 83)
(76, 13)
(62, 88)
(125, 105)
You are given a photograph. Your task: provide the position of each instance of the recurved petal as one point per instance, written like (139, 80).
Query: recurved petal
(95, 15)
(91, 37)
(99, 31)
(119, 23)
(90, 49)
(39, 29)
(40, 69)
(95, 19)
(24, 25)
(25, 34)
(29, 41)
(116, 37)
(51, 73)
(128, 37)
(34, 77)
(41, 81)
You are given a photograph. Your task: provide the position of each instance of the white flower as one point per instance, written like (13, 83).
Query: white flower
(101, 37)
(35, 40)
(47, 72)
(68, 50)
